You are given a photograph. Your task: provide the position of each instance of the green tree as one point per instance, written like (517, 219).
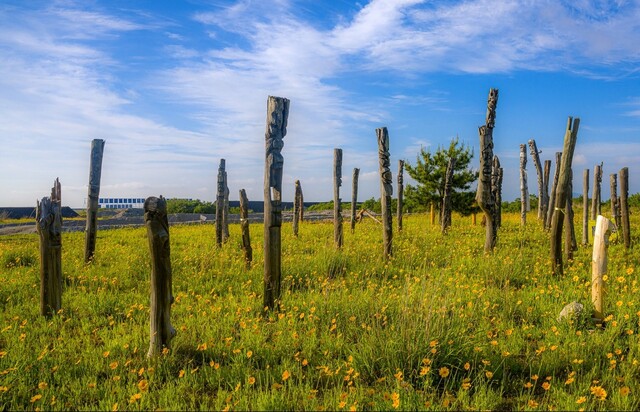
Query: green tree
(429, 172)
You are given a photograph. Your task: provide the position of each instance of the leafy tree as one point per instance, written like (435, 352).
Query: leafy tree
(429, 172)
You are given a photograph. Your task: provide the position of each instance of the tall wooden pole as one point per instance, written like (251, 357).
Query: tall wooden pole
(354, 197)
(225, 211)
(496, 188)
(615, 208)
(432, 215)
(337, 207)
(220, 204)
(542, 195)
(585, 207)
(562, 189)
(596, 201)
(161, 331)
(599, 265)
(446, 198)
(570, 233)
(277, 114)
(244, 227)
(49, 227)
(552, 196)
(484, 195)
(386, 190)
(524, 192)
(545, 183)
(297, 206)
(624, 206)
(95, 171)
(400, 204)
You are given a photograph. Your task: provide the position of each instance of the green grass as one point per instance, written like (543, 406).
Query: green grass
(439, 326)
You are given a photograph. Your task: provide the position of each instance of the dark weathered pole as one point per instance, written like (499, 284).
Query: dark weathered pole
(624, 206)
(585, 207)
(386, 189)
(545, 183)
(432, 215)
(337, 207)
(155, 219)
(297, 206)
(244, 227)
(484, 196)
(446, 198)
(597, 198)
(95, 171)
(524, 192)
(615, 207)
(354, 197)
(300, 195)
(570, 233)
(277, 114)
(225, 211)
(496, 188)
(400, 204)
(220, 204)
(49, 227)
(562, 189)
(542, 195)
(552, 197)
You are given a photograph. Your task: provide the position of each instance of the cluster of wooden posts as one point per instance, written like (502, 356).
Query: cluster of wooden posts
(554, 209)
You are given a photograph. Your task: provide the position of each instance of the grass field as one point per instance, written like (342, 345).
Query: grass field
(439, 326)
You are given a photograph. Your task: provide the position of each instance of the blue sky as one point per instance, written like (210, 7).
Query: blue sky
(173, 86)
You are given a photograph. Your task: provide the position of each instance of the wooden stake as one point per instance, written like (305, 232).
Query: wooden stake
(297, 207)
(624, 206)
(446, 198)
(386, 190)
(561, 193)
(225, 211)
(496, 186)
(524, 192)
(400, 204)
(49, 227)
(542, 195)
(432, 215)
(570, 233)
(220, 204)
(244, 227)
(545, 183)
(277, 114)
(93, 198)
(337, 208)
(585, 207)
(615, 208)
(596, 201)
(599, 265)
(552, 196)
(354, 197)
(484, 196)
(155, 219)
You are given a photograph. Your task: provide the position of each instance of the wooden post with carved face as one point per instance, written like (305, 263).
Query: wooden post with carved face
(386, 190)
(49, 227)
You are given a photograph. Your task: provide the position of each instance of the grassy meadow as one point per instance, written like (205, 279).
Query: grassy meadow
(440, 326)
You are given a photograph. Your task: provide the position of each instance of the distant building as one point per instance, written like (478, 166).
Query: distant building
(120, 203)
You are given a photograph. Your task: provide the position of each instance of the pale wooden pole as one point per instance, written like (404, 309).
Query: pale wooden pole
(624, 206)
(585, 207)
(93, 198)
(244, 227)
(524, 192)
(446, 198)
(400, 194)
(386, 190)
(484, 195)
(220, 204)
(49, 227)
(337, 207)
(297, 205)
(277, 114)
(596, 200)
(161, 331)
(542, 195)
(570, 234)
(615, 208)
(562, 189)
(354, 197)
(552, 196)
(599, 265)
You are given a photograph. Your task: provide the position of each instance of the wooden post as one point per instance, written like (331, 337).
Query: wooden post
(484, 195)
(400, 204)
(570, 232)
(585, 207)
(95, 171)
(220, 204)
(545, 183)
(225, 211)
(615, 208)
(300, 202)
(297, 206)
(49, 227)
(155, 219)
(562, 191)
(354, 197)
(524, 192)
(473, 219)
(386, 190)
(244, 227)
(596, 201)
(446, 198)
(599, 265)
(496, 187)
(337, 208)
(624, 206)
(432, 215)
(552, 196)
(542, 195)
(277, 114)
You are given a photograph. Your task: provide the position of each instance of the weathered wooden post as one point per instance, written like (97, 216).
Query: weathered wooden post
(615, 208)
(542, 195)
(220, 204)
(300, 202)
(585, 207)
(496, 188)
(386, 190)
(93, 198)
(354, 197)
(484, 195)
(545, 183)
(297, 206)
(562, 189)
(432, 215)
(624, 206)
(524, 192)
(225, 211)
(277, 114)
(49, 227)
(446, 198)
(599, 266)
(570, 233)
(596, 201)
(552, 197)
(400, 204)
(155, 219)
(337, 207)
(244, 227)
